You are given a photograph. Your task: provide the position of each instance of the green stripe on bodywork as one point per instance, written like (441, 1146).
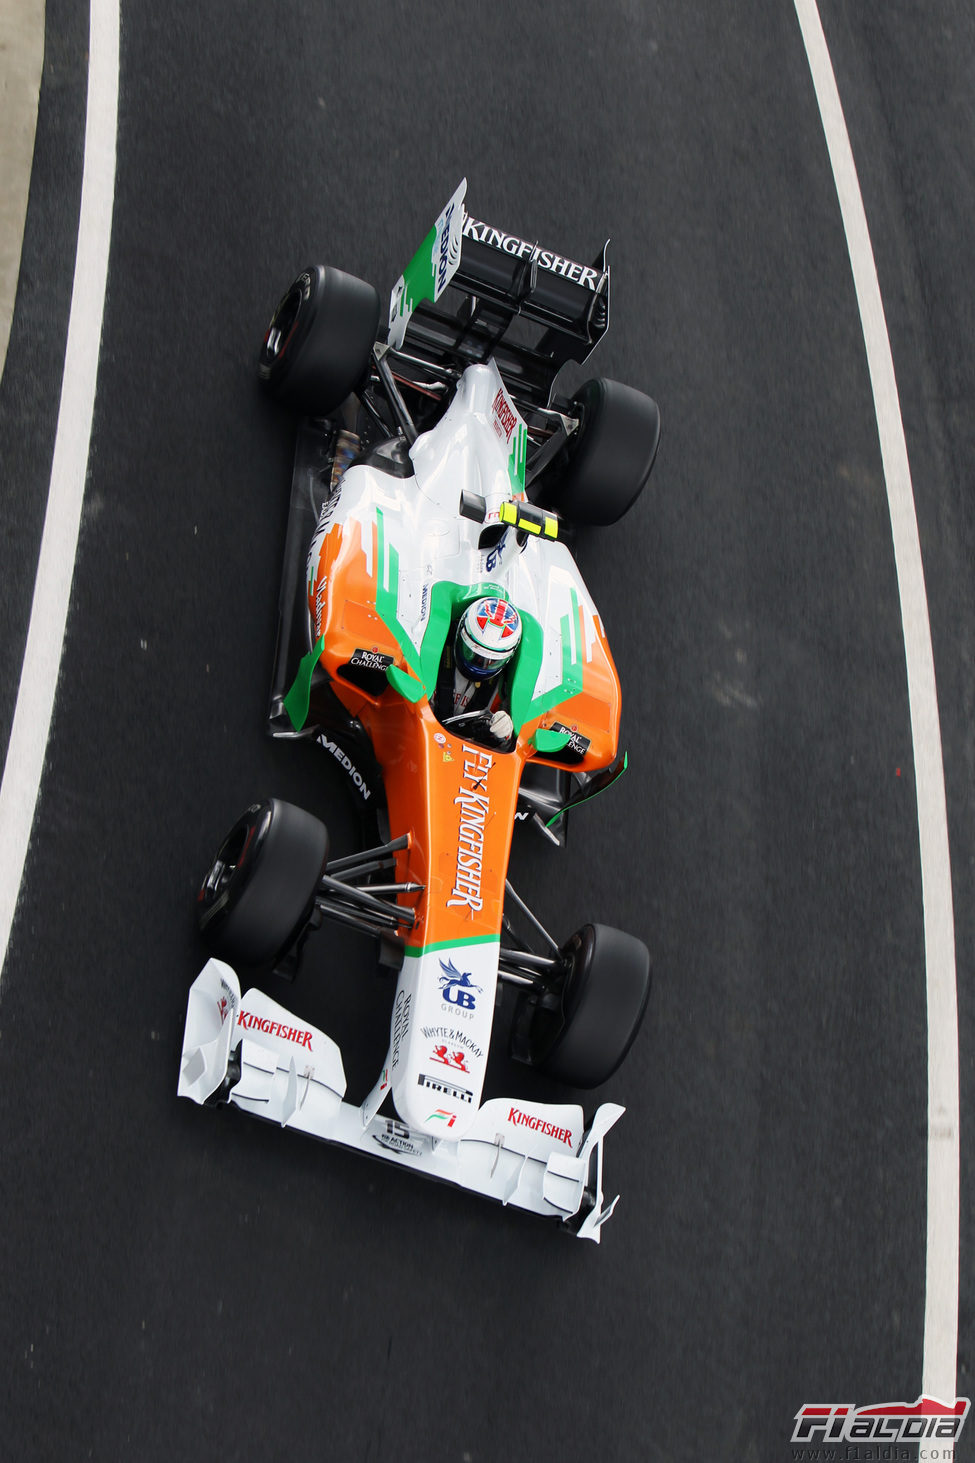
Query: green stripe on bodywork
(387, 600)
(451, 944)
(526, 707)
(298, 699)
(446, 600)
(517, 459)
(443, 601)
(547, 742)
(419, 276)
(408, 686)
(592, 795)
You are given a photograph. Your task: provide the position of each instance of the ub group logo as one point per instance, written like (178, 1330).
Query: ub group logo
(843, 1433)
(456, 986)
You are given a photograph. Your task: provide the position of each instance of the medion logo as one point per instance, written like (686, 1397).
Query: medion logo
(362, 786)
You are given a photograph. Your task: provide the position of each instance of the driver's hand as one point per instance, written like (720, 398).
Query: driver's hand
(502, 726)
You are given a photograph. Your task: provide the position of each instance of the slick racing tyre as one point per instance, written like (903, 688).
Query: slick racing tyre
(581, 1036)
(260, 888)
(610, 457)
(318, 344)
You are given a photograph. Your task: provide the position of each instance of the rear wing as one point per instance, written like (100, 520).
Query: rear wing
(498, 295)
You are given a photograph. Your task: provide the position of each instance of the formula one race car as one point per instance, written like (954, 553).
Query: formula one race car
(437, 640)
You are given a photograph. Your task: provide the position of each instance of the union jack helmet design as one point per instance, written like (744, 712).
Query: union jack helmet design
(488, 635)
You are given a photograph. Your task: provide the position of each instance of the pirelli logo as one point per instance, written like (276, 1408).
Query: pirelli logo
(446, 1089)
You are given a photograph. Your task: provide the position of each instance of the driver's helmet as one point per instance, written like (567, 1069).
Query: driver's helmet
(487, 637)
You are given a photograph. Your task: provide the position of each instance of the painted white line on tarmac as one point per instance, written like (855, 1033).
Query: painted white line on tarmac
(941, 1293)
(52, 588)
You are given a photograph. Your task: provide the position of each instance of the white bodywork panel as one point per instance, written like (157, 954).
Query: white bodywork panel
(423, 540)
(440, 1034)
(537, 1156)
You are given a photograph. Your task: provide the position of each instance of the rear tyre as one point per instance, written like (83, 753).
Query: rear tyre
(260, 888)
(581, 1036)
(610, 457)
(318, 345)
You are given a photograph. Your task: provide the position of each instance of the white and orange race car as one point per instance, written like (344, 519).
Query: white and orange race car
(437, 639)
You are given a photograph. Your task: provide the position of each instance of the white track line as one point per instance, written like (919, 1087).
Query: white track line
(941, 1294)
(45, 637)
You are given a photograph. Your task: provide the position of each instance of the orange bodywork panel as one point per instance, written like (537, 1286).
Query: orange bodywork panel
(455, 799)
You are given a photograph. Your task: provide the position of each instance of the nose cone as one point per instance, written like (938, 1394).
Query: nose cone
(441, 1031)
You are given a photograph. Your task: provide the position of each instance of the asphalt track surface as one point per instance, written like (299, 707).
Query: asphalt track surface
(181, 1283)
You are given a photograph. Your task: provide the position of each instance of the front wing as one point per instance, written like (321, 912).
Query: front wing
(252, 1052)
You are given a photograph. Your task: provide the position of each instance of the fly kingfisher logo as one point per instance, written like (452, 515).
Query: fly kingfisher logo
(475, 805)
(869, 1432)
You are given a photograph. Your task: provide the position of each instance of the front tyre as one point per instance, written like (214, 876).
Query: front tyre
(580, 1033)
(318, 345)
(260, 888)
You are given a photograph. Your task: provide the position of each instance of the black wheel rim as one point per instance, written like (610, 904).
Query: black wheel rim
(282, 325)
(226, 866)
